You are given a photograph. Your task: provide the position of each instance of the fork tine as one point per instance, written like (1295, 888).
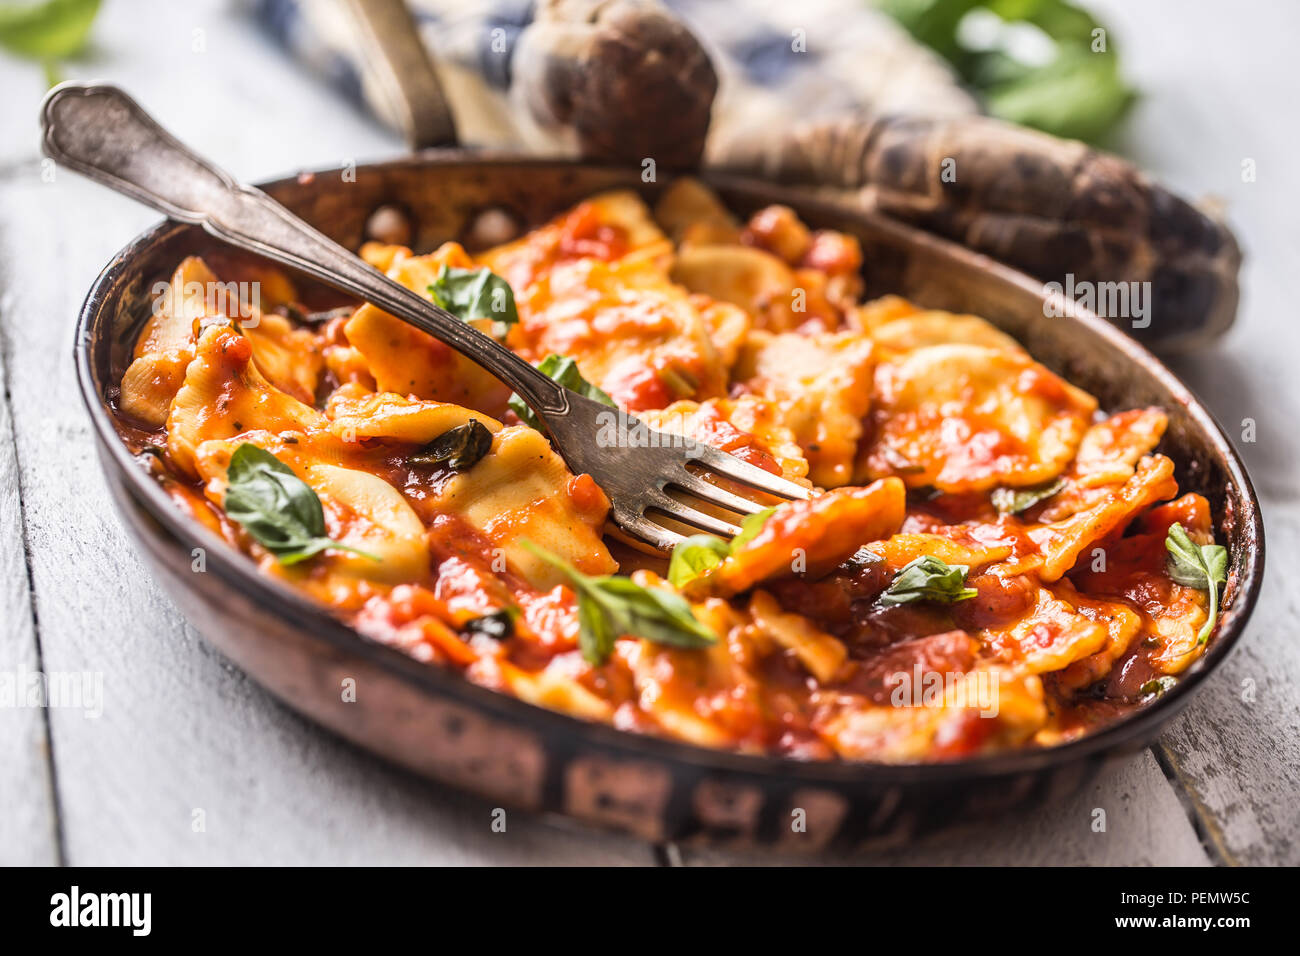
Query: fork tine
(747, 474)
(672, 508)
(639, 526)
(711, 493)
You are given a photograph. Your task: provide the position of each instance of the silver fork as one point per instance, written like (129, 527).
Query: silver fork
(103, 134)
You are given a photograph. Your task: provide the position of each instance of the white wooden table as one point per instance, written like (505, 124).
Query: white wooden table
(183, 730)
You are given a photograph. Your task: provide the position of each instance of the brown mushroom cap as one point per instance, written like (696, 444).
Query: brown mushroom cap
(626, 76)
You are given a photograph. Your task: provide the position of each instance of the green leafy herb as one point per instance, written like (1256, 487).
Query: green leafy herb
(1204, 567)
(45, 31)
(701, 553)
(499, 625)
(928, 579)
(1080, 95)
(276, 507)
(459, 448)
(475, 294)
(1012, 501)
(694, 556)
(48, 31)
(610, 606)
(564, 370)
(751, 526)
(1077, 91)
(1156, 686)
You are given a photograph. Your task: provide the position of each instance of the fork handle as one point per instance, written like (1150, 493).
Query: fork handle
(105, 135)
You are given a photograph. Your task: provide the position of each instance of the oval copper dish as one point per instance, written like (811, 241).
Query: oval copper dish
(518, 755)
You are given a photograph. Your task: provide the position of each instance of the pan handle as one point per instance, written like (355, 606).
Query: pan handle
(404, 70)
(103, 134)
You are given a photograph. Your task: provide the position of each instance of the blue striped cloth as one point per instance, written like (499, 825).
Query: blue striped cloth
(777, 62)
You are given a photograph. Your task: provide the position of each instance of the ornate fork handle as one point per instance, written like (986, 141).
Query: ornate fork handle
(105, 135)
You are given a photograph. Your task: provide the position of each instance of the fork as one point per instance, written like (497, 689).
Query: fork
(100, 132)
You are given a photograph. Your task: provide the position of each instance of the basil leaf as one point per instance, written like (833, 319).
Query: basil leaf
(657, 614)
(610, 606)
(701, 553)
(696, 555)
(459, 448)
(277, 508)
(46, 31)
(751, 526)
(1204, 567)
(562, 369)
(1079, 94)
(927, 578)
(596, 634)
(499, 625)
(475, 294)
(1012, 501)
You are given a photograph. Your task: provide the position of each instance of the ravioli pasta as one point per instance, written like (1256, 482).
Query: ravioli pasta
(905, 612)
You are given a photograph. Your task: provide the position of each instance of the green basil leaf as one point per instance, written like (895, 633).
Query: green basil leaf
(475, 294)
(596, 634)
(562, 369)
(701, 553)
(1079, 93)
(1012, 501)
(694, 556)
(1204, 567)
(927, 578)
(459, 448)
(46, 31)
(751, 526)
(657, 614)
(277, 508)
(610, 606)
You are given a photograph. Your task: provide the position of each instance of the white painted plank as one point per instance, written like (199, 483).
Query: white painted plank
(1144, 825)
(1237, 750)
(27, 813)
(181, 728)
(1219, 87)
